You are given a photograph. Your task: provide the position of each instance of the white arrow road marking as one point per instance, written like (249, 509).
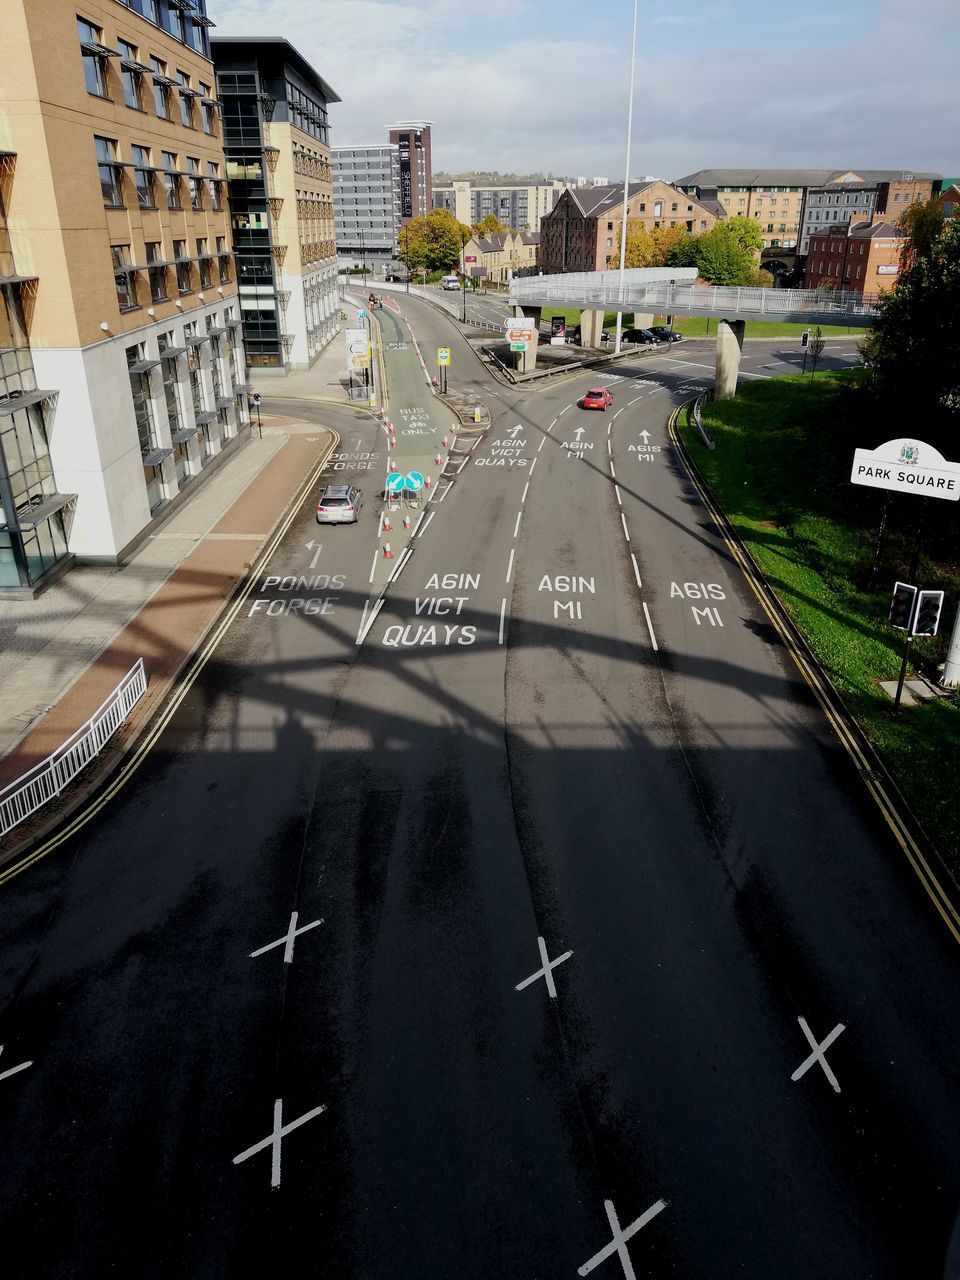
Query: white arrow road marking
(645, 436)
(578, 432)
(514, 431)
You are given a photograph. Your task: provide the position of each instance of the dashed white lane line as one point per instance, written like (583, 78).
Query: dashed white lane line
(692, 364)
(417, 525)
(563, 411)
(524, 495)
(636, 570)
(554, 423)
(503, 614)
(613, 469)
(630, 402)
(617, 414)
(380, 525)
(541, 444)
(373, 567)
(430, 515)
(626, 531)
(653, 638)
(516, 527)
(533, 464)
(510, 564)
(616, 490)
(609, 446)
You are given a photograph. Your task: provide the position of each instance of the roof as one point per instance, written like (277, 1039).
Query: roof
(874, 231)
(715, 207)
(891, 175)
(280, 48)
(757, 177)
(594, 200)
(530, 237)
(494, 243)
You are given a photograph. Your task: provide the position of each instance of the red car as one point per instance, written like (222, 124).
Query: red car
(597, 398)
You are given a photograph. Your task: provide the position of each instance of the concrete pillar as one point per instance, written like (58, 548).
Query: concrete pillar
(591, 326)
(530, 313)
(642, 319)
(527, 360)
(729, 347)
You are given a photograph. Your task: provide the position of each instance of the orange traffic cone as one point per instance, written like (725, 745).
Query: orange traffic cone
(387, 553)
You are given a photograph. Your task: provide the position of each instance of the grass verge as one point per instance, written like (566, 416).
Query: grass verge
(699, 327)
(780, 471)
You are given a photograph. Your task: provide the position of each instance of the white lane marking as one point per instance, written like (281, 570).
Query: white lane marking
(563, 411)
(430, 515)
(618, 1245)
(617, 414)
(552, 425)
(380, 525)
(516, 527)
(636, 570)
(363, 616)
(541, 444)
(626, 531)
(546, 972)
(640, 397)
(280, 1131)
(609, 447)
(653, 638)
(441, 496)
(616, 490)
(365, 630)
(613, 470)
(533, 464)
(524, 495)
(287, 940)
(819, 1049)
(473, 444)
(401, 564)
(503, 613)
(510, 564)
(316, 555)
(373, 567)
(692, 364)
(462, 465)
(417, 525)
(12, 1071)
(609, 426)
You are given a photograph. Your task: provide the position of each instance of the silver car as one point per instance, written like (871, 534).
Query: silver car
(339, 504)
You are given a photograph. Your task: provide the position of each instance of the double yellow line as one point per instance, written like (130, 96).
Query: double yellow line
(195, 665)
(822, 691)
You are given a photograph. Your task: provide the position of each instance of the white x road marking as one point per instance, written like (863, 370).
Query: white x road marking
(280, 1131)
(12, 1071)
(818, 1051)
(545, 972)
(619, 1242)
(287, 940)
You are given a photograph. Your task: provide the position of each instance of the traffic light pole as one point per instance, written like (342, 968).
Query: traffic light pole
(911, 577)
(903, 673)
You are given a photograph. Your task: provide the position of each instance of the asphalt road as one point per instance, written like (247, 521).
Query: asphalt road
(569, 722)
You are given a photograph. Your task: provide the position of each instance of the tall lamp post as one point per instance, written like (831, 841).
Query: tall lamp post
(463, 275)
(363, 258)
(626, 178)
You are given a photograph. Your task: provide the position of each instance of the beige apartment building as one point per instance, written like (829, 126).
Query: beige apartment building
(276, 139)
(773, 198)
(494, 259)
(116, 208)
(517, 205)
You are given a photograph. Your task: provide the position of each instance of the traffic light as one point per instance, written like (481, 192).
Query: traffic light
(928, 613)
(805, 337)
(901, 605)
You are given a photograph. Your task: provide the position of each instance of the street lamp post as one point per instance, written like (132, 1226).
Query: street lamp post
(463, 275)
(624, 222)
(363, 258)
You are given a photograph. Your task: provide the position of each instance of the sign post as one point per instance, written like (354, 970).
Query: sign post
(443, 360)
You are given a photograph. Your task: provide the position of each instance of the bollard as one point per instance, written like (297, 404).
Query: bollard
(476, 414)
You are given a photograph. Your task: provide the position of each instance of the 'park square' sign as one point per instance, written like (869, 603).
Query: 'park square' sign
(907, 466)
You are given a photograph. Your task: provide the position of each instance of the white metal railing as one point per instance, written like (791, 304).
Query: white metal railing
(603, 288)
(48, 778)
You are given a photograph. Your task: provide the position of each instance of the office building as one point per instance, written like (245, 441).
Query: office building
(853, 195)
(122, 363)
(773, 198)
(366, 204)
(520, 206)
(276, 139)
(863, 258)
(412, 138)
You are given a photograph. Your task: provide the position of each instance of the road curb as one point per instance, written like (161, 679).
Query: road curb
(130, 750)
(924, 857)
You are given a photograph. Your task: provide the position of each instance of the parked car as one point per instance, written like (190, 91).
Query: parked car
(339, 504)
(664, 334)
(597, 398)
(575, 336)
(642, 337)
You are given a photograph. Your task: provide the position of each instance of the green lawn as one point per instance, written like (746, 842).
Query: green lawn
(780, 470)
(694, 327)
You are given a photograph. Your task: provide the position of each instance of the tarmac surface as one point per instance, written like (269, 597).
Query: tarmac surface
(529, 924)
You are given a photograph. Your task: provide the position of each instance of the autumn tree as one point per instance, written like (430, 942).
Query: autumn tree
(489, 225)
(726, 254)
(435, 242)
(920, 224)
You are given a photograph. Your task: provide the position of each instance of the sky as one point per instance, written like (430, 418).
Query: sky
(541, 86)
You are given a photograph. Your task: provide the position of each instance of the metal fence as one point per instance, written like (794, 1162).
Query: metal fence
(48, 778)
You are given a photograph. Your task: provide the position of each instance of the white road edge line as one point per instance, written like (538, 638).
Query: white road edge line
(653, 638)
(636, 570)
(516, 527)
(474, 443)
(364, 632)
(503, 611)
(417, 525)
(373, 567)
(441, 496)
(510, 564)
(401, 564)
(430, 515)
(626, 531)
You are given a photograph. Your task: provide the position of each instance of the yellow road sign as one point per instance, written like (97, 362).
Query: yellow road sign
(443, 355)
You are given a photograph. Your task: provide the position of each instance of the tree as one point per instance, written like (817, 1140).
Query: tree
(726, 254)
(744, 233)
(921, 224)
(912, 357)
(434, 243)
(648, 247)
(817, 344)
(490, 225)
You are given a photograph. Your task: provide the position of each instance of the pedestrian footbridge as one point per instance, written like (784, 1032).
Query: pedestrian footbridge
(647, 291)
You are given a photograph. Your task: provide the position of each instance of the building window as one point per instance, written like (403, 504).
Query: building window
(158, 272)
(194, 183)
(130, 74)
(216, 201)
(143, 176)
(186, 100)
(126, 279)
(171, 180)
(142, 401)
(223, 259)
(203, 262)
(184, 283)
(161, 91)
(109, 169)
(95, 55)
(207, 110)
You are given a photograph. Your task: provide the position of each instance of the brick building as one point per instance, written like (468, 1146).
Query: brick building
(864, 258)
(413, 140)
(863, 193)
(582, 232)
(773, 198)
